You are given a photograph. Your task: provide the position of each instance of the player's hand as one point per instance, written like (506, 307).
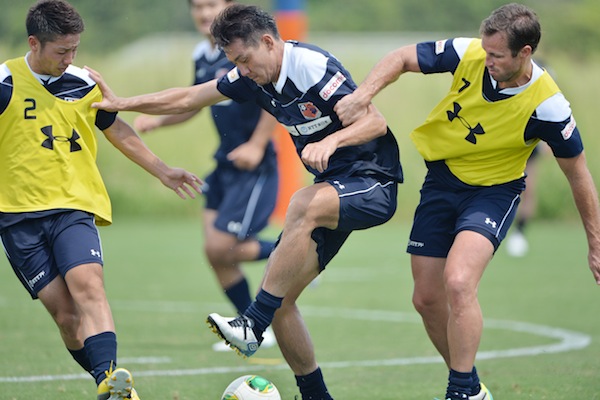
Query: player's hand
(316, 155)
(182, 182)
(145, 123)
(247, 156)
(351, 108)
(110, 102)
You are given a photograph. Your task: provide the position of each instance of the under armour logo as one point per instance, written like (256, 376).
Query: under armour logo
(338, 184)
(491, 222)
(95, 253)
(49, 143)
(465, 85)
(477, 130)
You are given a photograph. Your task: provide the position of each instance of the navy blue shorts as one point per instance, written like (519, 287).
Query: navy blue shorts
(364, 202)
(244, 200)
(40, 249)
(445, 211)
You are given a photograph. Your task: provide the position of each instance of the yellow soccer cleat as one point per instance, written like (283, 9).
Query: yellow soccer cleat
(117, 385)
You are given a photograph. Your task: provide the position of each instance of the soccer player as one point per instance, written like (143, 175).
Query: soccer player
(356, 168)
(476, 143)
(241, 192)
(52, 193)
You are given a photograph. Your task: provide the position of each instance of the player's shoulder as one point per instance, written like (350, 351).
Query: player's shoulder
(306, 54)
(461, 44)
(5, 87)
(306, 65)
(458, 45)
(75, 72)
(554, 109)
(4, 72)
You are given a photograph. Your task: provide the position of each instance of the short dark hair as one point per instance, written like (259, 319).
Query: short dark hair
(518, 22)
(244, 22)
(49, 19)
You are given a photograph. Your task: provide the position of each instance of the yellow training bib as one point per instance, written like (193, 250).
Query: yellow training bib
(482, 142)
(48, 150)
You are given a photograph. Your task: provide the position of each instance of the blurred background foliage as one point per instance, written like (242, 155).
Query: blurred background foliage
(569, 25)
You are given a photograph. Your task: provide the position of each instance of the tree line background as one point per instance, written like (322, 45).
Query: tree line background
(570, 26)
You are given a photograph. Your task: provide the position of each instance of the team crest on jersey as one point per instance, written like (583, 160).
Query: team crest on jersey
(233, 75)
(309, 110)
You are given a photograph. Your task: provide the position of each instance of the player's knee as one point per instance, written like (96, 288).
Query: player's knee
(297, 207)
(90, 293)
(217, 257)
(219, 254)
(304, 210)
(420, 304)
(68, 322)
(428, 302)
(460, 291)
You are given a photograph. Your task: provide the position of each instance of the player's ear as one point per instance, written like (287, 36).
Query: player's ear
(526, 51)
(268, 41)
(33, 42)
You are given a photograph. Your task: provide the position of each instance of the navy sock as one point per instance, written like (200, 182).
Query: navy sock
(459, 382)
(239, 295)
(266, 247)
(476, 385)
(312, 386)
(262, 311)
(102, 353)
(82, 359)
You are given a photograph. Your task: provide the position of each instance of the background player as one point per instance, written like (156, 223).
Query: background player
(52, 192)
(241, 192)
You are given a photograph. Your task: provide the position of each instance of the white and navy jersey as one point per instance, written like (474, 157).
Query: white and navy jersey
(311, 82)
(552, 121)
(235, 122)
(75, 83)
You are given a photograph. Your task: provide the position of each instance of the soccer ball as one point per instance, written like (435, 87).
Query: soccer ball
(251, 387)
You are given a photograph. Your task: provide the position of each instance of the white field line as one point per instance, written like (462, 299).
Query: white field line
(566, 340)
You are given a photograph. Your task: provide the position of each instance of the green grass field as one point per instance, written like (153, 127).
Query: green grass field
(541, 338)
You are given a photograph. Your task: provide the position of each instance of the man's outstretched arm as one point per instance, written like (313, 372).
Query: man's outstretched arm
(169, 101)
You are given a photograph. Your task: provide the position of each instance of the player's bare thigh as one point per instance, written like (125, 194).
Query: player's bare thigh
(317, 205)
